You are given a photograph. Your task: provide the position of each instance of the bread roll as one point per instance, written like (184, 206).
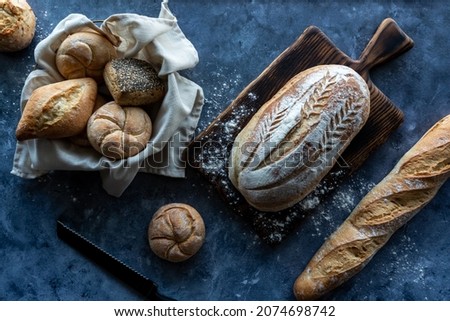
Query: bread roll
(412, 183)
(176, 232)
(82, 139)
(295, 138)
(118, 132)
(84, 54)
(133, 82)
(58, 110)
(17, 25)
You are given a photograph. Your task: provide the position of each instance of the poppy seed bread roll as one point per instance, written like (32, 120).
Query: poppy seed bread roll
(295, 138)
(133, 82)
(118, 132)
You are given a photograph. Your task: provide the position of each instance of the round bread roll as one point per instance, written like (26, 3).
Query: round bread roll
(17, 25)
(118, 132)
(176, 232)
(133, 82)
(84, 54)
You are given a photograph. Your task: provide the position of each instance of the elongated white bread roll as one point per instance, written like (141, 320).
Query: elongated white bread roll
(295, 138)
(412, 183)
(58, 110)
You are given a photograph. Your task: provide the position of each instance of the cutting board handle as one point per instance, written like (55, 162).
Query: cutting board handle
(388, 42)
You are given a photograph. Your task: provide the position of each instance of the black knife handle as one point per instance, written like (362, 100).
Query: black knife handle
(127, 274)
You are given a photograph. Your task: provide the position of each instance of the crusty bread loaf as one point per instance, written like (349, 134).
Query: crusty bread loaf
(295, 138)
(133, 82)
(412, 183)
(176, 232)
(17, 25)
(118, 132)
(84, 54)
(58, 110)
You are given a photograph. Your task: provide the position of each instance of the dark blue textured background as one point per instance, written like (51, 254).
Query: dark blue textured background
(235, 41)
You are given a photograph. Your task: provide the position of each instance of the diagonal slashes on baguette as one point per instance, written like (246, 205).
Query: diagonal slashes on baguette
(411, 185)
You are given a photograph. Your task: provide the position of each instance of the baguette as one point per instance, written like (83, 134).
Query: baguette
(295, 138)
(412, 183)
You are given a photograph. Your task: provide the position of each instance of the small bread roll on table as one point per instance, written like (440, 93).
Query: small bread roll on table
(176, 232)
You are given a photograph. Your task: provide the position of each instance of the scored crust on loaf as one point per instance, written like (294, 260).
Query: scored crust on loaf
(118, 132)
(176, 232)
(84, 54)
(133, 82)
(409, 187)
(292, 142)
(58, 110)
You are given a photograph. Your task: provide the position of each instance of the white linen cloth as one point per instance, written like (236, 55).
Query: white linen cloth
(157, 40)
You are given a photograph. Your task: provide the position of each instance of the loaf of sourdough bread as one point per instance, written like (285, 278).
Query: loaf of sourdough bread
(412, 183)
(295, 138)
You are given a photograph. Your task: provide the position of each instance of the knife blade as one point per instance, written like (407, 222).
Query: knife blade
(113, 265)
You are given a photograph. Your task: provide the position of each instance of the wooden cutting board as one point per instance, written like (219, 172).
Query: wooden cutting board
(210, 150)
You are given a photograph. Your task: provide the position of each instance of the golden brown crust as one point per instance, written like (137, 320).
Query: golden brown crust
(82, 139)
(17, 25)
(294, 139)
(118, 132)
(84, 54)
(58, 110)
(412, 183)
(176, 232)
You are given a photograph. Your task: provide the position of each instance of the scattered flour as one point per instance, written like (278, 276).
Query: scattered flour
(324, 207)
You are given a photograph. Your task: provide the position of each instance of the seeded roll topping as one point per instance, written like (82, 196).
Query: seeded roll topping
(137, 74)
(133, 82)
